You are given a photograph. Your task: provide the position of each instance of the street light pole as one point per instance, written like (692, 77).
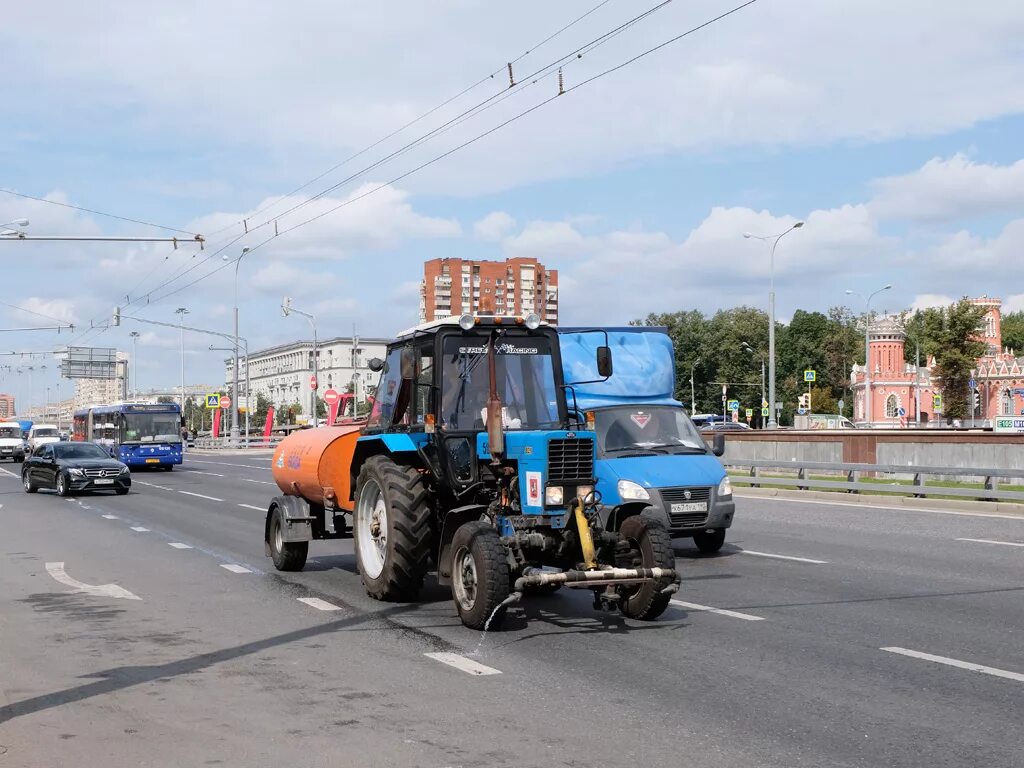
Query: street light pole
(867, 349)
(135, 366)
(286, 309)
(181, 312)
(773, 422)
(693, 397)
(234, 399)
(245, 346)
(753, 351)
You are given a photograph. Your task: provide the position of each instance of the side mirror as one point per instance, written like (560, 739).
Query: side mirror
(375, 364)
(604, 362)
(718, 443)
(408, 363)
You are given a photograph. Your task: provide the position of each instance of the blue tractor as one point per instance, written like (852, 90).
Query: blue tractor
(469, 460)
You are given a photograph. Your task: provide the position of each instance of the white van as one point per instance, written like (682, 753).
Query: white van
(12, 444)
(41, 434)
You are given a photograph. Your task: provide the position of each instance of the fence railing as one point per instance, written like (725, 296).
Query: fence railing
(870, 478)
(215, 443)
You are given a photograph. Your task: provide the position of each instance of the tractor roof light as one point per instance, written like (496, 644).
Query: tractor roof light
(532, 321)
(466, 322)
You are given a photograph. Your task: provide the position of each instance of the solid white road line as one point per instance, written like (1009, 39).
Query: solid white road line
(140, 529)
(8, 472)
(957, 663)
(957, 513)
(179, 545)
(320, 605)
(226, 464)
(468, 666)
(111, 517)
(153, 485)
(720, 611)
(56, 570)
(262, 482)
(200, 472)
(253, 506)
(235, 568)
(990, 541)
(782, 557)
(201, 496)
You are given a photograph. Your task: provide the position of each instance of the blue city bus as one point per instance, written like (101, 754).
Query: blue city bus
(140, 435)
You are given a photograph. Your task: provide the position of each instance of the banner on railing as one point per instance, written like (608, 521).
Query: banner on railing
(269, 424)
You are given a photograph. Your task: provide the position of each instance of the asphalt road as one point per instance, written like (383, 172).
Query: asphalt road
(839, 636)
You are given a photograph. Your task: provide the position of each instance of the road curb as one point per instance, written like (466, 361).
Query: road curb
(878, 500)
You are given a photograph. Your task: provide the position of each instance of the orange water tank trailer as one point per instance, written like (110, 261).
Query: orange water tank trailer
(314, 464)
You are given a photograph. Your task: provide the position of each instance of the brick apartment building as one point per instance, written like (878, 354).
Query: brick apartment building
(6, 406)
(452, 287)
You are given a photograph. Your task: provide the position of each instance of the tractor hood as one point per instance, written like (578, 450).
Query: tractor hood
(662, 471)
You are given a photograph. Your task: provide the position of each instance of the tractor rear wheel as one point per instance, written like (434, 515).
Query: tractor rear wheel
(391, 529)
(480, 582)
(650, 547)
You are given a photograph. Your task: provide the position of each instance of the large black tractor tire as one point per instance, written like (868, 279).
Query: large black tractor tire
(287, 556)
(652, 548)
(709, 543)
(392, 530)
(480, 575)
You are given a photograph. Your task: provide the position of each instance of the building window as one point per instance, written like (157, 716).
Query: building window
(892, 407)
(1006, 403)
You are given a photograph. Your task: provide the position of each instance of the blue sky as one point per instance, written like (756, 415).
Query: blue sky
(894, 132)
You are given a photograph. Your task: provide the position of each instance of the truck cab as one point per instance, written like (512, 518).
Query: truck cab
(12, 444)
(649, 453)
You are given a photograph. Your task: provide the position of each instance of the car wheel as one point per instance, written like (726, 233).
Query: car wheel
(709, 542)
(30, 487)
(63, 486)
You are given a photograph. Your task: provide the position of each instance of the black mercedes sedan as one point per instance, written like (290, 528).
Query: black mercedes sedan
(73, 467)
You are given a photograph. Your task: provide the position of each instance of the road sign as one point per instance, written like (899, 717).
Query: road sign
(213, 401)
(810, 375)
(764, 411)
(764, 403)
(734, 405)
(901, 412)
(841, 405)
(937, 402)
(331, 396)
(750, 413)
(225, 401)
(801, 411)
(313, 383)
(1009, 424)
(972, 384)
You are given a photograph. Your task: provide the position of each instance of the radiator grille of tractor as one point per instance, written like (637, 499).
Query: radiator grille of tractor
(570, 458)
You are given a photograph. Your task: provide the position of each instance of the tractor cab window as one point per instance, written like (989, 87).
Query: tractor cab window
(424, 382)
(391, 403)
(525, 382)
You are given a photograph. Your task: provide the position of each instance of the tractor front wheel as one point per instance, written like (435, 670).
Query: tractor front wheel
(479, 575)
(391, 529)
(650, 547)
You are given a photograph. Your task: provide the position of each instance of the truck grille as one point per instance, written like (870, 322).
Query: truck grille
(570, 458)
(678, 495)
(670, 496)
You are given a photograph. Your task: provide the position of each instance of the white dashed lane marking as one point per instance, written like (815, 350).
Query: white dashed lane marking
(719, 611)
(463, 664)
(56, 570)
(782, 557)
(992, 541)
(253, 506)
(140, 529)
(8, 472)
(235, 568)
(320, 605)
(179, 545)
(154, 485)
(261, 482)
(200, 472)
(970, 666)
(201, 496)
(111, 517)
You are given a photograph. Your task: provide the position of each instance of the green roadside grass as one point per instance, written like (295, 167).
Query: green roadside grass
(886, 486)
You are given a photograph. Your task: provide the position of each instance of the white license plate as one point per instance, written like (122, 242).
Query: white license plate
(689, 506)
(103, 481)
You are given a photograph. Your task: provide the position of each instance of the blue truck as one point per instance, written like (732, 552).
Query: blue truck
(649, 454)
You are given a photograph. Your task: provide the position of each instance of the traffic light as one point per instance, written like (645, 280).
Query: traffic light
(975, 401)
(117, 316)
(805, 401)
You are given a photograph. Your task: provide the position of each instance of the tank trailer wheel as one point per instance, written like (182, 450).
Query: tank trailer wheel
(287, 556)
(391, 529)
(651, 547)
(480, 578)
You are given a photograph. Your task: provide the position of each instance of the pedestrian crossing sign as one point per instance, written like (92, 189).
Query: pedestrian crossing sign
(213, 401)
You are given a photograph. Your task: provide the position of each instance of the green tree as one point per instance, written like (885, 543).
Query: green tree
(822, 400)
(951, 336)
(166, 399)
(1013, 331)
(259, 413)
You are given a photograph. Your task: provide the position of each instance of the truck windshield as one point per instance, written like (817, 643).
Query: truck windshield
(8, 432)
(630, 429)
(151, 428)
(46, 432)
(525, 382)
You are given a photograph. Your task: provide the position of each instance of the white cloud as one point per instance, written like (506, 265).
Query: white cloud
(494, 226)
(44, 311)
(950, 189)
(279, 279)
(545, 237)
(929, 300)
(1014, 303)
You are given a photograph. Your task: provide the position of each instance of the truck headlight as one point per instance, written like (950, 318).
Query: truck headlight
(582, 491)
(553, 495)
(725, 487)
(630, 491)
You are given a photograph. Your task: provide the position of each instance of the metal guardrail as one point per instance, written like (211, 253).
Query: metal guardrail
(990, 478)
(211, 443)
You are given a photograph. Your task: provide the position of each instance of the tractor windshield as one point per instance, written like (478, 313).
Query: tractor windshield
(525, 382)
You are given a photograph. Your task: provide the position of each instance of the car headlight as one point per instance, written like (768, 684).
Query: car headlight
(553, 495)
(725, 487)
(124, 469)
(76, 472)
(630, 491)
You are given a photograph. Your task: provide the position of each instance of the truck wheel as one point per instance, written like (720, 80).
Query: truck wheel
(709, 542)
(479, 575)
(287, 556)
(651, 547)
(391, 529)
